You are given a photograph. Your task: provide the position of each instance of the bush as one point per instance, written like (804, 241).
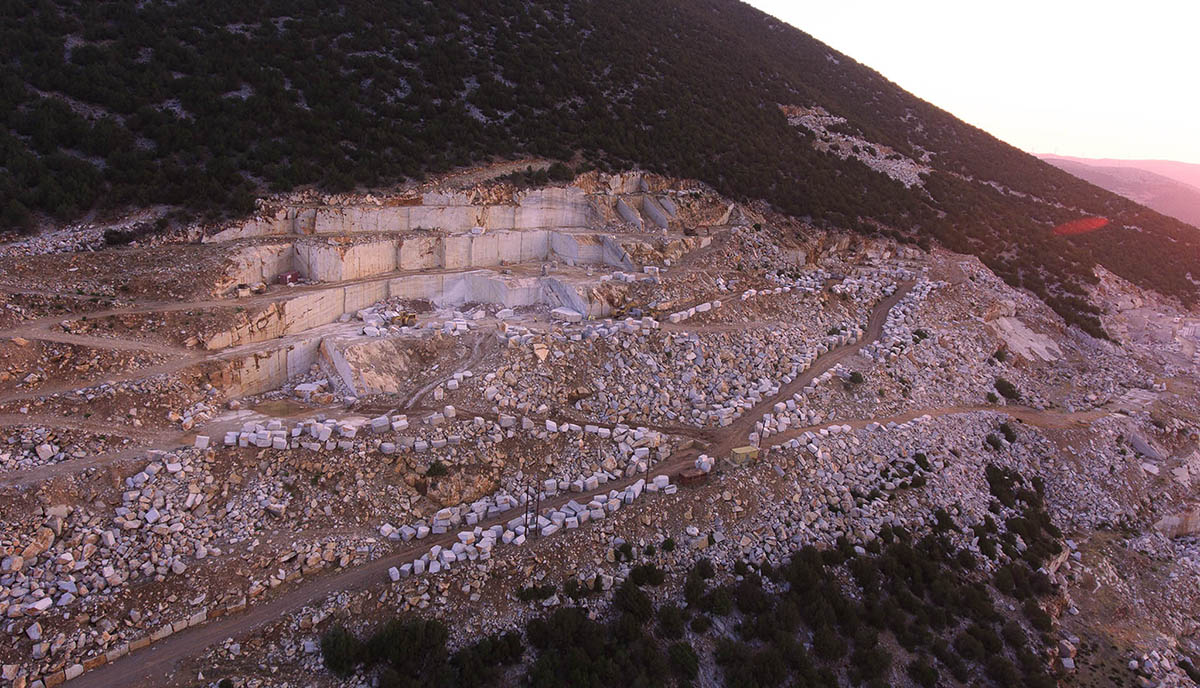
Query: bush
(668, 545)
(718, 602)
(969, 647)
(574, 589)
(828, 644)
(536, 592)
(647, 574)
(701, 623)
(751, 599)
(922, 672)
(871, 661)
(693, 588)
(1007, 389)
(436, 469)
(1000, 670)
(856, 378)
(922, 461)
(670, 622)
(340, 650)
(1037, 616)
(1009, 433)
(412, 647)
(628, 598)
(683, 660)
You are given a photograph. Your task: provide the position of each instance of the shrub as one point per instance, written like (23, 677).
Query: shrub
(1004, 580)
(628, 598)
(718, 602)
(536, 592)
(411, 647)
(670, 622)
(436, 470)
(693, 588)
(856, 378)
(1007, 389)
(701, 623)
(647, 574)
(1037, 616)
(340, 650)
(668, 545)
(922, 461)
(768, 667)
(574, 589)
(1009, 433)
(871, 661)
(922, 672)
(969, 647)
(828, 644)
(751, 599)
(1000, 670)
(683, 660)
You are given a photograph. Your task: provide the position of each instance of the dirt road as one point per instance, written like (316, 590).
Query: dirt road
(155, 665)
(151, 666)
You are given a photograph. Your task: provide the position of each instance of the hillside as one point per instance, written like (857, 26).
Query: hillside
(204, 106)
(1153, 190)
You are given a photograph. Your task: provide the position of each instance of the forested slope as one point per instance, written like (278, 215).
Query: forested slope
(111, 104)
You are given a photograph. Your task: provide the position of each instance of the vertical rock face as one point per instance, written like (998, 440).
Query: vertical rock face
(258, 263)
(1182, 524)
(550, 208)
(335, 261)
(628, 214)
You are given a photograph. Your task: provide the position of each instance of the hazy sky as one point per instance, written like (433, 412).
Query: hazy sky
(1097, 79)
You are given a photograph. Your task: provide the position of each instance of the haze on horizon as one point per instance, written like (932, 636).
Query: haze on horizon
(1066, 77)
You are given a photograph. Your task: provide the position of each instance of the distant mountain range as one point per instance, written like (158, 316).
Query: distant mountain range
(1171, 188)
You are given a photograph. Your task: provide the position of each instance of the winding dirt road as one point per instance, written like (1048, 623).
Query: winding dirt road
(156, 664)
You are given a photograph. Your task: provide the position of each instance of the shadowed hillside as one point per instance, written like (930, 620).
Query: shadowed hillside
(202, 106)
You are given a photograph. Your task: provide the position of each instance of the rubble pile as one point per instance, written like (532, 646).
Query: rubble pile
(31, 446)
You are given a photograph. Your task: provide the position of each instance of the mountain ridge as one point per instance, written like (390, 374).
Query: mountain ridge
(1183, 172)
(1167, 195)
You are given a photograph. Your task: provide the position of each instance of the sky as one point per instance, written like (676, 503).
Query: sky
(1098, 79)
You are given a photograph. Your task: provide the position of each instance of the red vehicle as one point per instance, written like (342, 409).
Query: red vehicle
(289, 277)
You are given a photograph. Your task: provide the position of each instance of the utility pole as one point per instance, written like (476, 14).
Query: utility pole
(537, 512)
